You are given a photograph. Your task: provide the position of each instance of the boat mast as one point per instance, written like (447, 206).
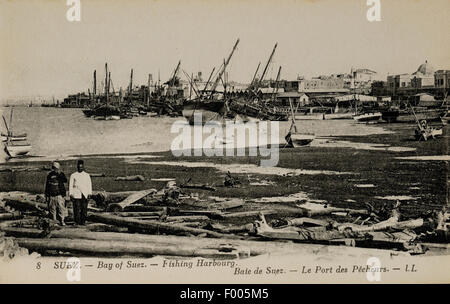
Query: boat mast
(130, 89)
(219, 76)
(207, 82)
(191, 87)
(95, 84)
(6, 125)
(254, 76)
(106, 83)
(148, 90)
(275, 90)
(224, 80)
(10, 120)
(172, 81)
(192, 84)
(111, 84)
(267, 65)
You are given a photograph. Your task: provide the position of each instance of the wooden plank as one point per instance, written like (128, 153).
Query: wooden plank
(130, 200)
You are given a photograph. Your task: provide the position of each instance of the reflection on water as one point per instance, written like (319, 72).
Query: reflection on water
(62, 132)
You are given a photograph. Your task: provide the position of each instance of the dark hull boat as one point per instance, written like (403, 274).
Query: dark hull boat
(200, 112)
(395, 115)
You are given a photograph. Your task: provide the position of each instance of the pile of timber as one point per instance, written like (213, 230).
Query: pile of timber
(142, 223)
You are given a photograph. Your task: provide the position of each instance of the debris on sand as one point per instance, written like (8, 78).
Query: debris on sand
(133, 178)
(131, 223)
(262, 183)
(231, 181)
(292, 198)
(427, 158)
(360, 146)
(242, 168)
(365, 186)
(397, 198)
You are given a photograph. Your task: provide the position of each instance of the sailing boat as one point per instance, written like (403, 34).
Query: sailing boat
(294, 138)
(15, 145)
(209, 106)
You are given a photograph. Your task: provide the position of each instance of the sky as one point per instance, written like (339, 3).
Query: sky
(42, 53)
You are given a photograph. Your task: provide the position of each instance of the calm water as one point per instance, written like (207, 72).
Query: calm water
(63, 132)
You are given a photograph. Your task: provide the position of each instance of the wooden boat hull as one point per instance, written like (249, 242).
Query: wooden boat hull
(207, 111)
(17, 150)
(314, 116)
(300, 140)
(366, 117)
(348, 115)
(408, 116)
(113, 117)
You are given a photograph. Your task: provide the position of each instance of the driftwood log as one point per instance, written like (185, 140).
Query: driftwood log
(255, 247)
(330, 210)
(10, 216)
(96, 247)
(151, 225)
(306, 221)
(303, 235)
(391, 223)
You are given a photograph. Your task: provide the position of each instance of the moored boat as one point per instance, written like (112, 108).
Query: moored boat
(405, 115)
(367, 117)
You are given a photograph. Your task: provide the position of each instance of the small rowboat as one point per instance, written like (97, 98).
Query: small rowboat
(294, 138)
(301, 139)
(366, 117)
(15, 144)
(14, 149)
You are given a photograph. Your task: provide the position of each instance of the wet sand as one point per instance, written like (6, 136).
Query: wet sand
(338, 175)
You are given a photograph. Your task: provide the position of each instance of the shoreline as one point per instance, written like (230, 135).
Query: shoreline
(389, 176)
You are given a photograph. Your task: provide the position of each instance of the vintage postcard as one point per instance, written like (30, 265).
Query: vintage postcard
(213, 141)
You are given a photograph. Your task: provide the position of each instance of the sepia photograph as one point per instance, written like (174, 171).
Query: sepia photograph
(213, 141)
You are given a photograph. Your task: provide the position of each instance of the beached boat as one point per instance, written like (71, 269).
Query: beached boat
(15, 144)
(426, 132)
(17, 148)
(368, 117)
(300, 139)
(294, 138)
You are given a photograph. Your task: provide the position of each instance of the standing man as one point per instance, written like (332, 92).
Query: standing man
(80, 190)
(55, 192)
